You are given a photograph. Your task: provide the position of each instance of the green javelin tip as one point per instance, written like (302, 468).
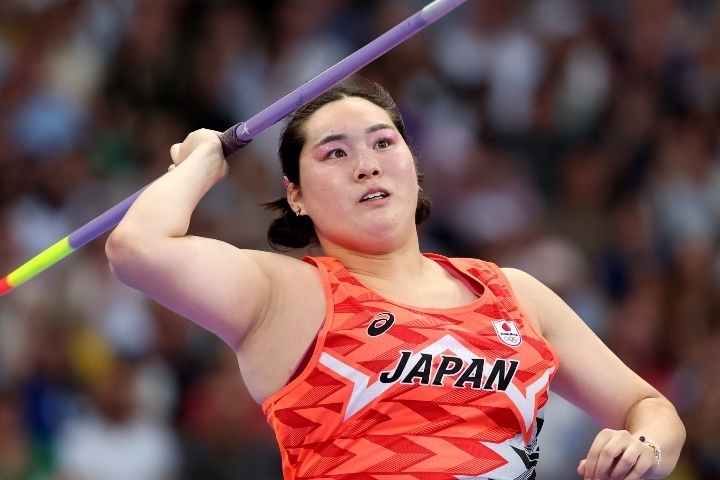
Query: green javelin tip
(37, 264)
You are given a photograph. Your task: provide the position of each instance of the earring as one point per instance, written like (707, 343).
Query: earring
(297, 213)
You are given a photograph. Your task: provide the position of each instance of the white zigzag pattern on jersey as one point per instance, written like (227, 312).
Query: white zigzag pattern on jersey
(363, 393)
(515, 469)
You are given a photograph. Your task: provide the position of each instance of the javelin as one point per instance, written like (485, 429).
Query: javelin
(239, 135)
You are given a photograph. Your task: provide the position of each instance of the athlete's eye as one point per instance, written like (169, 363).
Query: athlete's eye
(383, 143)
(337, 153)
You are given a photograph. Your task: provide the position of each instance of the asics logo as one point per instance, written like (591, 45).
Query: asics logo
(380, 324)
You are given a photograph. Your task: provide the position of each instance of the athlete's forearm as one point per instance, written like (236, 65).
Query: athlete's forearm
(164, 209)
(657, 420)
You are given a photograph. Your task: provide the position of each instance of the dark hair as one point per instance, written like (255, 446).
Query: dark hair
(288, 230)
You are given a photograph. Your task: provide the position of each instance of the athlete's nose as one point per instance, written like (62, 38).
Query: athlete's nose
(367, 166)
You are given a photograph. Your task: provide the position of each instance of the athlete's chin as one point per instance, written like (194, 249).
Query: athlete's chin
(373, 235)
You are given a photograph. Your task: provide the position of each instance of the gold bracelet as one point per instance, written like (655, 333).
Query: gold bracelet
(655, 447)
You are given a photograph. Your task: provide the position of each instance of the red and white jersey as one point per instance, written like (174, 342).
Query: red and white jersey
(394, 392)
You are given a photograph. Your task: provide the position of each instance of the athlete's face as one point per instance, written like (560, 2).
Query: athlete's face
(358, 178)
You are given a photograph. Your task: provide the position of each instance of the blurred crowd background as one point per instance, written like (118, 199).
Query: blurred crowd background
(578, 140)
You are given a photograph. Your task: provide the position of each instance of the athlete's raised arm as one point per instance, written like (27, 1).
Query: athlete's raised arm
(222, 288)
(640, 424)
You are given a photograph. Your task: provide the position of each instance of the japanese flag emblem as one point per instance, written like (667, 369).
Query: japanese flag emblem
(507, 331)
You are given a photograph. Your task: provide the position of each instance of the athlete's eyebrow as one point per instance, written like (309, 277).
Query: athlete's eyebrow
(342, 136)
(377, 126)
(330, 138)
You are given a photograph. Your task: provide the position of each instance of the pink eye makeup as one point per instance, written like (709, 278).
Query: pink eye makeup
(334, 146)
(386, 139)
(328, 151)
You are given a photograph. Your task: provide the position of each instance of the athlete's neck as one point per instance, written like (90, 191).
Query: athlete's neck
(402, 263)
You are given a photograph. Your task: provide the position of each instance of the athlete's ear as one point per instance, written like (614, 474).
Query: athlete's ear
(294, 197)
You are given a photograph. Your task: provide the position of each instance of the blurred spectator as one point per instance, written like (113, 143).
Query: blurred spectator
(20, 457)
(225, 435)
(51, 394)
(112, 439)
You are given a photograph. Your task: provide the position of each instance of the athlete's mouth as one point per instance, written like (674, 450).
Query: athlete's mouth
(374, 196)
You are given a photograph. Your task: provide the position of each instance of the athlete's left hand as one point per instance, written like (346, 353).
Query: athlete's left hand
(616, 455)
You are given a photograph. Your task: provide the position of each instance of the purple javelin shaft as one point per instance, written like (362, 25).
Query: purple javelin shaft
(103, 222)
(241, 134)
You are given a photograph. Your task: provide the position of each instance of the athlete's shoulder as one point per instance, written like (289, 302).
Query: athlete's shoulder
(522, 281)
